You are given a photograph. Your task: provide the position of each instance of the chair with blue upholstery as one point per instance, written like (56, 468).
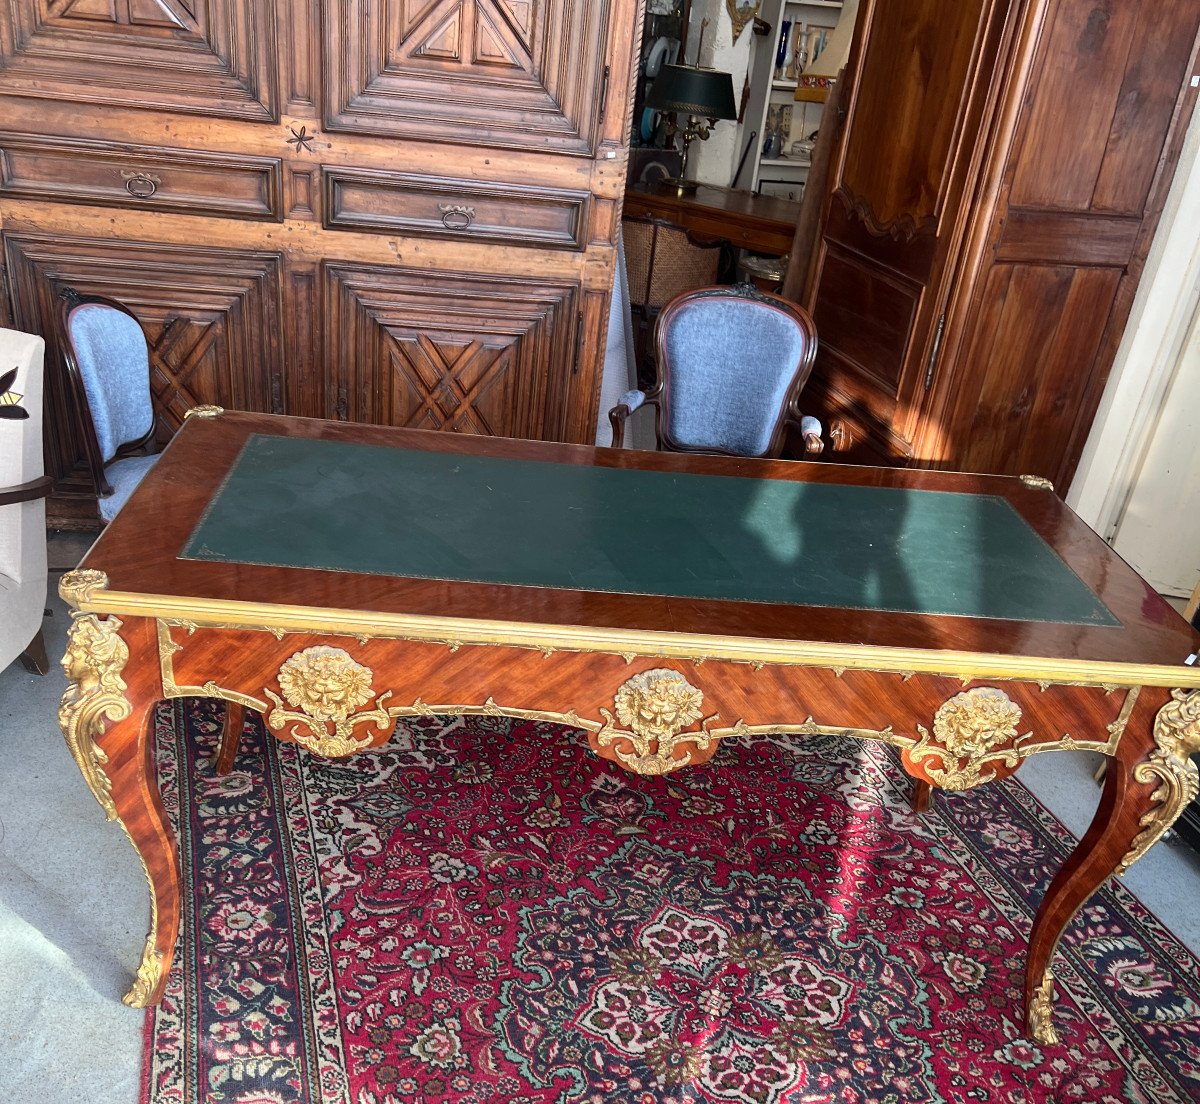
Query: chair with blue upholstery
(730, 363)
(108, 362)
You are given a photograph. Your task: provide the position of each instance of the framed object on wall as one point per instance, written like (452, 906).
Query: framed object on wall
(741, 12)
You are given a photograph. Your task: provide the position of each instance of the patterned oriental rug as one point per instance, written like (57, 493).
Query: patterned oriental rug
(486, 912)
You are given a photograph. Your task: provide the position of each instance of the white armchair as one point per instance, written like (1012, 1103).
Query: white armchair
(23, 489)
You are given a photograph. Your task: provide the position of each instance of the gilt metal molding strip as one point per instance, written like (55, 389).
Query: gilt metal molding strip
(278, 618)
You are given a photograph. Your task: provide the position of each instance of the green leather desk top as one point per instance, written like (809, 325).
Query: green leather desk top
(337, 506)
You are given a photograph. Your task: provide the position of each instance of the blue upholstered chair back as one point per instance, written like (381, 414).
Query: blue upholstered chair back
(114, 363)
(728, 364)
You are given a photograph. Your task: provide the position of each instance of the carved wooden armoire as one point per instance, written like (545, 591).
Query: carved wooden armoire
(390, 211)
(993, 193)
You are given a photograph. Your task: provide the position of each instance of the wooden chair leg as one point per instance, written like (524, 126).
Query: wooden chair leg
(231, 736)
(922, 794)
(34, 658)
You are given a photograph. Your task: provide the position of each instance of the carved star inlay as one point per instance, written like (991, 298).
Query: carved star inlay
(301, 139)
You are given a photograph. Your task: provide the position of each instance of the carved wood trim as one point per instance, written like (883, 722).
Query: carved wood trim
(903, 228)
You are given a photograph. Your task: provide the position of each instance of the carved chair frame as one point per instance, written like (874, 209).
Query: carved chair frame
(69, 300)
(659, 396)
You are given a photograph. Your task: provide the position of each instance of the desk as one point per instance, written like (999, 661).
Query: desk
(762, 223)
(337, 577)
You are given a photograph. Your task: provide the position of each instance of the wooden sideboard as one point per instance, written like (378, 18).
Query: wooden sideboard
(312, 216)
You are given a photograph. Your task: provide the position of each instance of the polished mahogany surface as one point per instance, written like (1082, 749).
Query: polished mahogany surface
(140, 554)
(759, 222)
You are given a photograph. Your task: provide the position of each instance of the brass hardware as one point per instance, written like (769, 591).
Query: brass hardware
(840, 437)
(1176, 740)
(362, 624)
(970, 726)
(1037, 482)
(95, 659)
(654, 706)
(933, 352)
(206, 410)
(456, 216)
(325, 686)
(140, 185)
(1041, 1012)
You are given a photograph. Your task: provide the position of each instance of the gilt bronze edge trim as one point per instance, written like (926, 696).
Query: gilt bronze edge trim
(171, 689)
(457, 632)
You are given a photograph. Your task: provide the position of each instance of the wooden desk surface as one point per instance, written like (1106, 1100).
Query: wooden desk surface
(762, 223)
(140, 553)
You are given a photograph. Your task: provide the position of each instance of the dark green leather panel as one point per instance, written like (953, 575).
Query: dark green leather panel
(361, 508)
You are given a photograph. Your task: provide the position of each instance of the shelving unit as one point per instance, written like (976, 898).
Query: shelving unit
(777, 172)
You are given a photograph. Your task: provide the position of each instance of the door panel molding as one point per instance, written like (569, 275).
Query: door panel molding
(465, 352)
(525, 75)
(208, 57)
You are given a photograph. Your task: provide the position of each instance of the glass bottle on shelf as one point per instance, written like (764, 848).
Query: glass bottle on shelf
(799, 52)
(781, 52)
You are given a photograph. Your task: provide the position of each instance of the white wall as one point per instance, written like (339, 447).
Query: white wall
(1159, 529)
(1152, 369)
(713, 161)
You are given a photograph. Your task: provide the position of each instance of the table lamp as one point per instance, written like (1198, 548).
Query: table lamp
(698, 94)
(818, 75)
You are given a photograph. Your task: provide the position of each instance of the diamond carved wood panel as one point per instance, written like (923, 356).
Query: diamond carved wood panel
(211, 317)
(430, 350)
(524, 73)
(211, 57)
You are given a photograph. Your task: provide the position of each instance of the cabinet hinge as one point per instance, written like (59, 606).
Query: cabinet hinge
(933, 353)
(603, 93)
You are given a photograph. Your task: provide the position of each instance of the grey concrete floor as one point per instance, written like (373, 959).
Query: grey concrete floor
(74, 911)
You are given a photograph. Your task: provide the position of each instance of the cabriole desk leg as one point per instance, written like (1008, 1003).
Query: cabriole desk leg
(112, 669)
(1149, 782)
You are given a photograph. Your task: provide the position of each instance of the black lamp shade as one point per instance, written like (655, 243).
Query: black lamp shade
(705, 93)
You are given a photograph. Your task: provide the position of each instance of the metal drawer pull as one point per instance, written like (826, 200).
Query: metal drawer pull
(455, 216)
(140, 184)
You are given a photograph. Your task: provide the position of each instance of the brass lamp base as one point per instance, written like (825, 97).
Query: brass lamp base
(676, 185)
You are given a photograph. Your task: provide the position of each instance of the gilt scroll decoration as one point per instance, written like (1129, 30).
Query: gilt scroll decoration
(1176, 739)
(970, 728)
(655, 707)
(94, 662)
(325, 686)
(1041, 1012)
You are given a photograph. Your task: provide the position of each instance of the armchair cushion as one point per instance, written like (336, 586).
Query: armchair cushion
(110, 349)
(730, 363)
(123, 476)
(632, 400)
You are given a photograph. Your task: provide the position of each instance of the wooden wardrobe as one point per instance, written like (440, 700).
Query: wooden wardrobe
(391, 211)
(998, 178)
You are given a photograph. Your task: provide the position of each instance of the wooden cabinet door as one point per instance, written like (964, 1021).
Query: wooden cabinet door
(396, 211)
(1079, 190)
(472, 354)
(523, 73)
(893, 216)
